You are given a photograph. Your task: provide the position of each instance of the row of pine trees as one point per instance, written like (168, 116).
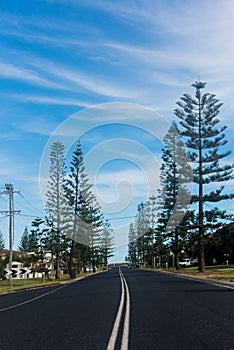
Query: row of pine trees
(183, 216)
(74, 230)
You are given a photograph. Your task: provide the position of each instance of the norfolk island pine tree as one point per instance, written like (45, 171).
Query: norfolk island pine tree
(204, 139)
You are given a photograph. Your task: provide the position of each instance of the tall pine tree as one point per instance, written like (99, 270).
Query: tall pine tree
(204, 138)
(143, 233)
(174, 196)
(24, 241)
(132, 245)
(93, 228)
(79, 194)
(106, 243)
(57, 204)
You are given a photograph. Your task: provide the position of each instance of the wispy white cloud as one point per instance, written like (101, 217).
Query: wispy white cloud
(40, 99)
(11, 136)
(39, 28)
(8, 70)
(38, 125)
(13, 172)
(146, 167)
(44, 73)
(116, 189)
(200, 49)
(92, 82)
(161, 63)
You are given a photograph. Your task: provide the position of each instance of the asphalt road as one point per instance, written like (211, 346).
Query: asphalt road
(126, 309)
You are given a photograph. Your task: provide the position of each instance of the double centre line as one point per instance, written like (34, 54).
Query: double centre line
(126, 322)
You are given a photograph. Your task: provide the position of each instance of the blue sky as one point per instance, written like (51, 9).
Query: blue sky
(59, 57)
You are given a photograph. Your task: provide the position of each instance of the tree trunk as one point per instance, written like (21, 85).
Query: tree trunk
(57, 271)
(78, 264)
(201, 254)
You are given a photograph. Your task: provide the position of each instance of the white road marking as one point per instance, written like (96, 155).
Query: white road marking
(33, 299)
(222, 285)
(125, 338)
(199, 279)
(115, 330)
(40, 296)
(114, 333)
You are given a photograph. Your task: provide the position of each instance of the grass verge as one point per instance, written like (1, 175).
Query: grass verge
(20, 284)
(219, 272)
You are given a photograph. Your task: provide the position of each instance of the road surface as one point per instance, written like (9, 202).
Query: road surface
(120, 309)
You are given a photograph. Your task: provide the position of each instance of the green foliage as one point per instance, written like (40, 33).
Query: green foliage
(205, 139)
(181, 225)
(106, 243)
(141, 237)
(174, 196)
(2, 241)
(24, 242)
(57, 203)
(2, 267)
(80, 197)
(219, 246)
(132, 245)
(15, 257)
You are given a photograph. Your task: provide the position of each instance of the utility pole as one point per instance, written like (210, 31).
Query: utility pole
(10, 192)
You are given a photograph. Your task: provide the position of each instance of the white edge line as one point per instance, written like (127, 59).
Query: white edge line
(114, 333)
(33, 299)
(197, 279)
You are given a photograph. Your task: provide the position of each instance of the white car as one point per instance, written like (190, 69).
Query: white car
(185, 262)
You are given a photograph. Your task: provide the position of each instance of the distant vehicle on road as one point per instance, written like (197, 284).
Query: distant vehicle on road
(134, 266)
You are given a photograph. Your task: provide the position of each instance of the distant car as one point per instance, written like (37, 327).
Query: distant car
(185, 262)
(90, 269)
(134, 266)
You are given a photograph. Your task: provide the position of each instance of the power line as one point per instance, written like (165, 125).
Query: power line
(32, 206)
(123, 217)
(3, 218)
(22, 205)
(4, 199)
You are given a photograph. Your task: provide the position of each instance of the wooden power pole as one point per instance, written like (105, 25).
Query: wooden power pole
(10, 192)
